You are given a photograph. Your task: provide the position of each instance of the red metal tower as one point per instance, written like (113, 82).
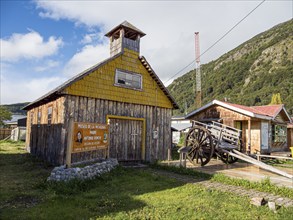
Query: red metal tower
(198, 76)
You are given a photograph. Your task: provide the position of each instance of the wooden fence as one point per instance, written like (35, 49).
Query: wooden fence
(4, 133)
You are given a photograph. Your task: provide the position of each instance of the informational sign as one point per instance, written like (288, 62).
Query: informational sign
(89, 136)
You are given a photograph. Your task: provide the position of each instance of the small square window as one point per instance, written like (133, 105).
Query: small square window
(129, 80)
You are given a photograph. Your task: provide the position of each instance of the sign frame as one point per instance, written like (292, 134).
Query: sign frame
(92, 132)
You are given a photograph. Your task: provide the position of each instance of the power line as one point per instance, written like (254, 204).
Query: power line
(180, 71)
(217, 40)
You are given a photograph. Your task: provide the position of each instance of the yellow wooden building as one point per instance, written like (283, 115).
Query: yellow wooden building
(123, 91)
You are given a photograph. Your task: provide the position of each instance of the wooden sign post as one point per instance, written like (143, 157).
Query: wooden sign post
(69, 143)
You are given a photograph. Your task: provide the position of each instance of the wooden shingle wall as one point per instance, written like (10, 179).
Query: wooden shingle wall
(100, 83)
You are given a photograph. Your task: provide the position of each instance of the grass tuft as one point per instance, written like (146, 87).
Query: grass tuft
(264, 185)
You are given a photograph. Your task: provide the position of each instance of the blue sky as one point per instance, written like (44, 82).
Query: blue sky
(43, 43)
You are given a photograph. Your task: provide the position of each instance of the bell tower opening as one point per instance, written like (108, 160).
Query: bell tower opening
(123, 36)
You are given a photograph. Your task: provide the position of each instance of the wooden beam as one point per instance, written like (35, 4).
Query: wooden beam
(260, 164)
(271, 156)
(69, 142)
(249, 136)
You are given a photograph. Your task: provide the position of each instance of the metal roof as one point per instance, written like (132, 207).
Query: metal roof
(181, 126)
(262, 112)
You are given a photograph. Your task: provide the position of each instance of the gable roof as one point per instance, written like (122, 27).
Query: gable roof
(271, 110)
(57, 92)
(158, 81)
(268, 112)
(126, 25)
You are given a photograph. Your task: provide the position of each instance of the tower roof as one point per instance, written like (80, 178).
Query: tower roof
(126, 25)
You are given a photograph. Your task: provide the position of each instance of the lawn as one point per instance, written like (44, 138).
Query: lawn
(121, 194)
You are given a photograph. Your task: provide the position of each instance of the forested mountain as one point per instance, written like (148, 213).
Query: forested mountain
(16, 109)
(249, 74)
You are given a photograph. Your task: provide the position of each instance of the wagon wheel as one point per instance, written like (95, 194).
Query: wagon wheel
(228, 159)
(201, 145)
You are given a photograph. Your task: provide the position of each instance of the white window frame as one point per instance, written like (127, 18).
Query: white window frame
(129, 74)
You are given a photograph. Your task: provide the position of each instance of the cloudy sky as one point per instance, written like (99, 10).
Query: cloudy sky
(44, 43)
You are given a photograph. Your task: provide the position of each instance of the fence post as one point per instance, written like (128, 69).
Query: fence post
(69, 142)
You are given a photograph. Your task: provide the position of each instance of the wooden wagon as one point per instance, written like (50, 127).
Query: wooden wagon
(205, 140)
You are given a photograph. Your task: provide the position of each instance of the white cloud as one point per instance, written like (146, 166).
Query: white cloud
(92, 37)
(87, 57)
(27, 90)
(47, 65)
(28, 46)
(170, 26)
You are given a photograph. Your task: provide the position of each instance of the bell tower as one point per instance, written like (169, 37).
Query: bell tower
(124, 36)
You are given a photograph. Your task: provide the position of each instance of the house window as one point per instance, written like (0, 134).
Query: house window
(279, 133)
(129, 80)
(50, 115)
(39, 117)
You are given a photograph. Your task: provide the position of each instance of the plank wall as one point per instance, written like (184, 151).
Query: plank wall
(43, 140)
(85, 109)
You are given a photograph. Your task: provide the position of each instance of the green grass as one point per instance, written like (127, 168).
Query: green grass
(279, 162)
(264, 186)
(121, 194)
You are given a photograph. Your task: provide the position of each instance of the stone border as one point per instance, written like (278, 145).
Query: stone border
(62, 173)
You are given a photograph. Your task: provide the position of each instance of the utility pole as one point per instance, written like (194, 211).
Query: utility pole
(198, 75)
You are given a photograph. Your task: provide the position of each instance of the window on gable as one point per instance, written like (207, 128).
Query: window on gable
(129, 80)
(50, 115)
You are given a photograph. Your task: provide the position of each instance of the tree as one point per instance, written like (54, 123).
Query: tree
(276, 99)
(4, 115)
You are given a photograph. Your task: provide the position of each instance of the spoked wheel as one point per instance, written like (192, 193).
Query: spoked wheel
(226, 158)
(200, 142)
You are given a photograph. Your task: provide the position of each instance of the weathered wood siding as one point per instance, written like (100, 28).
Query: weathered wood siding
(43, 140)
(290, 137)
(255, 137)
(4, 133)
(126, 138)
(93, 98)
(85, 109)
(230, 118)
(217, 112)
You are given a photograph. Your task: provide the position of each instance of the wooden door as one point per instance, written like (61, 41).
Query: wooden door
(125, 139)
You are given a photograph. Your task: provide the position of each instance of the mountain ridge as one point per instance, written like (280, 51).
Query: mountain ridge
(248, 74)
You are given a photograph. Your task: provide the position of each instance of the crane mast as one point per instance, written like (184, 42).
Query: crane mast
(197, 74)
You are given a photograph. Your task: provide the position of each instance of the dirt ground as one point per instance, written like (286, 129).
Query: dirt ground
(242, 170)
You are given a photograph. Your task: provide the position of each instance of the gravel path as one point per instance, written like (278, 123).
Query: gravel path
(241, 191)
